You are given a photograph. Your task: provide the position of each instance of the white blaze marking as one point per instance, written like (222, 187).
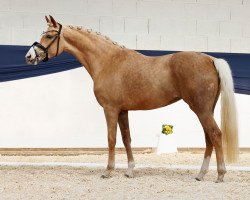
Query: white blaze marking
(32, 53)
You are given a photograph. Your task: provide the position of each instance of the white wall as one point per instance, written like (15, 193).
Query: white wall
(60, 110)
(200, 25)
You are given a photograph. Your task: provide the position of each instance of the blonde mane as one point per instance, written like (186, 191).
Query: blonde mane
(98, 34)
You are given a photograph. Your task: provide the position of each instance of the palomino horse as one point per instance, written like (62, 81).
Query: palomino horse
(127, 80)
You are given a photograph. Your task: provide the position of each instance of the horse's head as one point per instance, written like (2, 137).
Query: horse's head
(51, 44)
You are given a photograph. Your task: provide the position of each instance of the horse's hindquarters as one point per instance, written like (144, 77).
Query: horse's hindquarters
(197, 80)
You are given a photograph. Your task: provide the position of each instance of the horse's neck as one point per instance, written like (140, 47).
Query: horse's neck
(91, 51)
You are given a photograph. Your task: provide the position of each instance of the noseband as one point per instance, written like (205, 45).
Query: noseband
(45, 49)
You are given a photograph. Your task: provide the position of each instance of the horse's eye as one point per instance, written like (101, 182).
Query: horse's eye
(48, 36)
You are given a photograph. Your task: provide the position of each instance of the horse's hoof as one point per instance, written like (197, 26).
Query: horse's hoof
(105, 176)
(220, 177)
(219, 181)
(106, 173)
(129, 174)
(200, 177)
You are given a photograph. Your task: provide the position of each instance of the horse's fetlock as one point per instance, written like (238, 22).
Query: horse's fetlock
(222, 171)
(131, 164)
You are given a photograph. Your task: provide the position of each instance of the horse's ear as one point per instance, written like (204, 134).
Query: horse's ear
(47, 19)
(53, 21)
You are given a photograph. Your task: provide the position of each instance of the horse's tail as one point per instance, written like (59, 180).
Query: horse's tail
(229, 123)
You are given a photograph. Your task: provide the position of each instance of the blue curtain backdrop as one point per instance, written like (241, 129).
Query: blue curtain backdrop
(13, 66)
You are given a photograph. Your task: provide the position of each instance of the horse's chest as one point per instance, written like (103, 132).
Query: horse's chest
(107, 93)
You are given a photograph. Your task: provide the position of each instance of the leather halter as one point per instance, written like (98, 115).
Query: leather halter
(45, 49)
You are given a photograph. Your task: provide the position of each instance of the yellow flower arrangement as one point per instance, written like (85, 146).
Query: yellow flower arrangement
(167, 129)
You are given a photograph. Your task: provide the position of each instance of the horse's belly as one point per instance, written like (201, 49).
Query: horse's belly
(148, 102)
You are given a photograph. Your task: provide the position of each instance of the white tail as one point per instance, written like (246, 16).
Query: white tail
(229, 123)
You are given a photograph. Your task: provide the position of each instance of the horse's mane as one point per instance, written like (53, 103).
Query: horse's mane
(98, 34)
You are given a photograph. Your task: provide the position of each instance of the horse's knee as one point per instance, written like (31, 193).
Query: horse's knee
(126, 139)
(111, 138)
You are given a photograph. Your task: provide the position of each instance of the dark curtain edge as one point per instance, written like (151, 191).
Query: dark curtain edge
(65, 62)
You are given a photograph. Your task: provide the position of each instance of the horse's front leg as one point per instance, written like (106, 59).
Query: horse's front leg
(124, 127)
(112, 119)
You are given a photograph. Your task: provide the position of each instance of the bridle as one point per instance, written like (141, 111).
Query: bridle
(45, 49)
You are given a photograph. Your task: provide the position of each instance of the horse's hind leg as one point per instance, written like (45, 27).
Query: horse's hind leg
(208, 151)
(212, 130)
(206, 160)
(124, 127)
